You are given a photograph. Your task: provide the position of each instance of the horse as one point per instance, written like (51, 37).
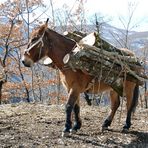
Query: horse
(45, 42)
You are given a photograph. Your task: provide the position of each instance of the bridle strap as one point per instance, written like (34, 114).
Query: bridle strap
(39, 40)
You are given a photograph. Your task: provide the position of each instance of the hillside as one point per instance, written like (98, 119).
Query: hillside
(40, 126)
(117, 37)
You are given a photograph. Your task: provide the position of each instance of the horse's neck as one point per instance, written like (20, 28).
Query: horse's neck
(60, 47)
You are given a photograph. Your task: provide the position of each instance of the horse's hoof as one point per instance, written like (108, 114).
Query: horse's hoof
(66, 134)
(89, 103)
(104, 128)
(73, 131)
(125, 130)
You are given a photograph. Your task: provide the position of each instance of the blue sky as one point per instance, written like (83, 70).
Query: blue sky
(112, 9)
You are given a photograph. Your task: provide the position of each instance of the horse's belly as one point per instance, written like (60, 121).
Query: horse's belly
(98, 87)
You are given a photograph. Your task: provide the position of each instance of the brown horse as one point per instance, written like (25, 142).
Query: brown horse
(46, 42)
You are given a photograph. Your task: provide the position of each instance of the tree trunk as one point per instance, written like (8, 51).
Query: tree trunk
(146, 95)
(1, 85)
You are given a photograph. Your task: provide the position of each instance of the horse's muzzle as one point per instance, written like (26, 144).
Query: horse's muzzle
(26, 64)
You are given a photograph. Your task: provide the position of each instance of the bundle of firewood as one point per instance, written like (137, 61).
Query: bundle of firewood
(96, 57)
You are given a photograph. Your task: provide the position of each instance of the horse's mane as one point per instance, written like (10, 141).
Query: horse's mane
(60, 35)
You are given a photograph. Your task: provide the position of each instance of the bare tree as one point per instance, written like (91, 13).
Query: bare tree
(145, 57)
(14, 34)
(128, 25)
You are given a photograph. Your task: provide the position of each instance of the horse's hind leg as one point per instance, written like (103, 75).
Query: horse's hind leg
(132, 93)
(78, 122)
(115, 102)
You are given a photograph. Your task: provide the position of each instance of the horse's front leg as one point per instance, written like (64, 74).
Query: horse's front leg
(72, 99)
(78, 122)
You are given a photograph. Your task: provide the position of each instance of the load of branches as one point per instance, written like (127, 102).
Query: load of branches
(96, 57)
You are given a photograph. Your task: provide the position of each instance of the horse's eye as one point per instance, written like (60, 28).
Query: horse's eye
(34, 39)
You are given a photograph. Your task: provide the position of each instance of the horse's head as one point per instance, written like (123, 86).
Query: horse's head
(36, 47)
(45, 42)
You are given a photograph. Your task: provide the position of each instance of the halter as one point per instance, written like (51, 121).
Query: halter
(39, 40)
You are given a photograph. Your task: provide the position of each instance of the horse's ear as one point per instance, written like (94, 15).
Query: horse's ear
(47, 22)
(44, 27)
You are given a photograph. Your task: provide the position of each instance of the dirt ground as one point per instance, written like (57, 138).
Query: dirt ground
(40, 126)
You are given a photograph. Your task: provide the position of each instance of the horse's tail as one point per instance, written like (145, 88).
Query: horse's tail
(88, 100)
(135, 98)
